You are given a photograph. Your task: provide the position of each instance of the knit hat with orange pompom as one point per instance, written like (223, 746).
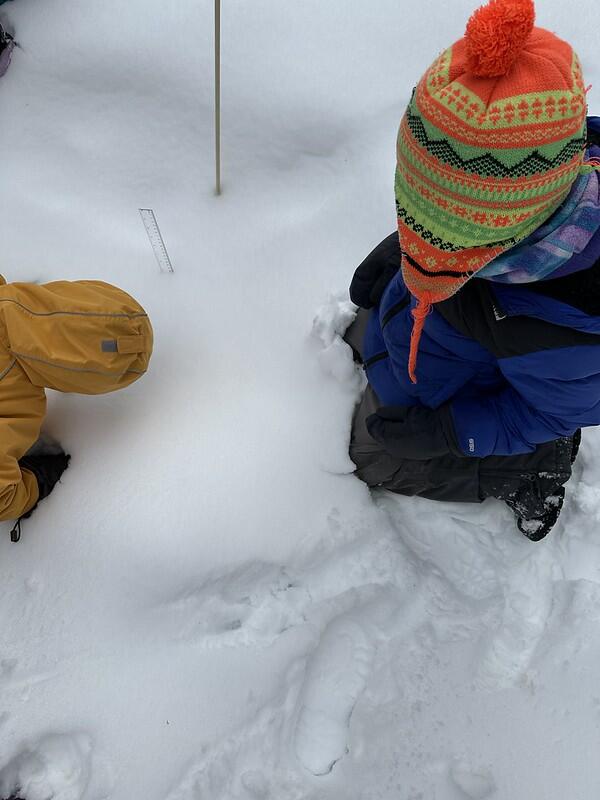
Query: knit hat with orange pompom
(491, 142)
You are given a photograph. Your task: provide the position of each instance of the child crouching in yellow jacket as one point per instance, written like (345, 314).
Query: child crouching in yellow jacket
(73, 336)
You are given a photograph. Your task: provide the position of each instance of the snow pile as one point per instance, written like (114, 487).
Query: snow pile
(210, 593)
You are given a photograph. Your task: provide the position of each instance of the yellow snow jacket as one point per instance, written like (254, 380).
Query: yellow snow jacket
(73, 336)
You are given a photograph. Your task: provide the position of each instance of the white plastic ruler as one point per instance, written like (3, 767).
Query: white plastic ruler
(156, 239)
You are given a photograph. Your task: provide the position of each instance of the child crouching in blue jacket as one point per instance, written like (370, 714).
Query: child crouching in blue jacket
(479, 321)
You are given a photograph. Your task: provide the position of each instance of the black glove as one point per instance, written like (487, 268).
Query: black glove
(375, 272)
(416, 433)
(47, 468)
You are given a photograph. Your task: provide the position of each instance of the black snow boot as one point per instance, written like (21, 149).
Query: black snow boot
(532, 484)
(537, 503)
(47, 468)
(576, 445)
(536, 528)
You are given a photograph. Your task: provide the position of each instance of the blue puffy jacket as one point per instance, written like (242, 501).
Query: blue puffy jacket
(519, 365)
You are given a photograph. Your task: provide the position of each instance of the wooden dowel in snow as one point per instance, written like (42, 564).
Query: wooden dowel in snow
(218, 95)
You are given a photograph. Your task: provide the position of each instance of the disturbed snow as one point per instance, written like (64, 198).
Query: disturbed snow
(210, 605)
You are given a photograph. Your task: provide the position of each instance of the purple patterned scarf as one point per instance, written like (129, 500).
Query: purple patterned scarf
(568, 242)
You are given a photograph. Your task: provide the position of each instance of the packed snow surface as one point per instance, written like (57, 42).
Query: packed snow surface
(210, 606)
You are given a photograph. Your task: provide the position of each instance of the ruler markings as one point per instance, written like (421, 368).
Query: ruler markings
(156, 239)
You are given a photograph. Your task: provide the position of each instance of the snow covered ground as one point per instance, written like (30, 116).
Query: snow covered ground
(210, 606)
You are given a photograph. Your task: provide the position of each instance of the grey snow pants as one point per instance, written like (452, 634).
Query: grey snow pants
(526, 480)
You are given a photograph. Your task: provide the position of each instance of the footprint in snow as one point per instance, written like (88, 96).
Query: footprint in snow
(458, 549)
(252, 604)
(481, 565)
(56, 767)
(340, 667)
(474, 783)
(336, 676)
(527, 608)
(257, 602)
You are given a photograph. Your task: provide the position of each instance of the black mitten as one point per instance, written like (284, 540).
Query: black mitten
(47, 468)
(414, 432)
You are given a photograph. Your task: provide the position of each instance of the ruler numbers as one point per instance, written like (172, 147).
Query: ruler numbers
(156, 239)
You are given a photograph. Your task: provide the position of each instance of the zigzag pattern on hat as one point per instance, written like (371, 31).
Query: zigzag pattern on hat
(487, 165)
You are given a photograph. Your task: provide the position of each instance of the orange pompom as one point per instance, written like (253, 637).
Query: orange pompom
(496, 34)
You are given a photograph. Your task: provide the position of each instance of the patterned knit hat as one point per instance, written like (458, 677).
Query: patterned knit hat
(491, 142)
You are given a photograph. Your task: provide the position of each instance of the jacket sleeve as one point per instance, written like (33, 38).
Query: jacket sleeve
(22, 409)
(375, 272)
(549, 394)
